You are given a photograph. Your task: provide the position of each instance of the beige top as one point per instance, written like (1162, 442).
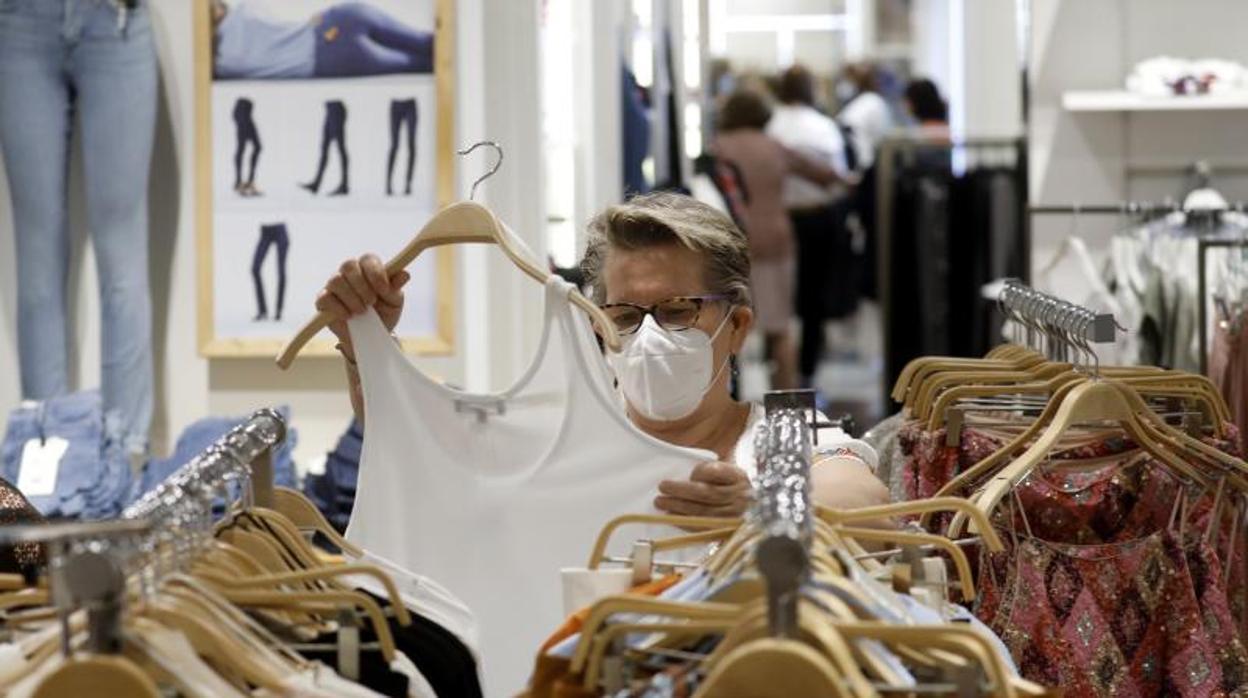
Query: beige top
(764, 164)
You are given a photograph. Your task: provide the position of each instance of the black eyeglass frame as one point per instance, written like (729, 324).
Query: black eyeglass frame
(645, 310)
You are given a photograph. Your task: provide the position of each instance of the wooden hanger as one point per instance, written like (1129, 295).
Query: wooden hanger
(685, 522)
(1087, 402)
(210, 642)
(97, 675)
(778, 667)
(304, 514)
(960, 561)
(923, 506)
(460, 223)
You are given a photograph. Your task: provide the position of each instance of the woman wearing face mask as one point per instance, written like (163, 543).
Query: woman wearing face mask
(674, 275)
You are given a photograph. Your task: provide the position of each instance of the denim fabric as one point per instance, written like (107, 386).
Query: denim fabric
(354, 38)
(196, 439)
(94, 475)
(58, 58)
(333, 492)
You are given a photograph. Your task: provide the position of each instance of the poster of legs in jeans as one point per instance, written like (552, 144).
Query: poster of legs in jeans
(324, 118)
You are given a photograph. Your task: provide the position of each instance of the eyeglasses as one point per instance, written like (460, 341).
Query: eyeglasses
(677, 313)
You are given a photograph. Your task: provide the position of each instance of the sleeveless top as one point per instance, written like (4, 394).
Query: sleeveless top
(491, 494)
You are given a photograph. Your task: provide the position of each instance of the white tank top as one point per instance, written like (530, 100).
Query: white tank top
(492, 494)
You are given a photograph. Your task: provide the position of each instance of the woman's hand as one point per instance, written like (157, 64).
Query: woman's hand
(713, 489)
(361, 284)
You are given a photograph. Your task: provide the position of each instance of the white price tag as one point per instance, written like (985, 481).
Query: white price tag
(40, 462)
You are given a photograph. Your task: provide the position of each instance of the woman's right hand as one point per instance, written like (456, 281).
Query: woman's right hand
(361, 284)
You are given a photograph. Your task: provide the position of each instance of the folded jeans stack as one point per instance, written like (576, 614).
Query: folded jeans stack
(92, 478)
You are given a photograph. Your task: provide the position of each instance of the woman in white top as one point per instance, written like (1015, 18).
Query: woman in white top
(674, 274)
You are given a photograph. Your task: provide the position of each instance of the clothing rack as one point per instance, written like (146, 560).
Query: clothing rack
(1152, 209)
(887, 170)
(1055, 317)
(783, 507)
(86, 569)
(245, 453)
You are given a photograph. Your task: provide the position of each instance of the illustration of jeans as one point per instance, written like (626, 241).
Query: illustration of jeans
(403, 119)
(354, 38)
(270, 234)
(334, 131)
(245, 134)
(50, 68)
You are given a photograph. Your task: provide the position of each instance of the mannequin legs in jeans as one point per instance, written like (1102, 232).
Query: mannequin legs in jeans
(55, 59)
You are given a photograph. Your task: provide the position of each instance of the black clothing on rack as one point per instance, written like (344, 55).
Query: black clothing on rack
(827, 275)
(442, 659)
(948, 234)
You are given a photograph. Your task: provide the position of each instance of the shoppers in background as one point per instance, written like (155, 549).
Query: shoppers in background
(864, 112)
(765, 165)
(928, 109)
(674, 275)
(64, 64)
(818, 215)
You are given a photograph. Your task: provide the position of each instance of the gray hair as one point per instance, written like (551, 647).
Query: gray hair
(664, 218)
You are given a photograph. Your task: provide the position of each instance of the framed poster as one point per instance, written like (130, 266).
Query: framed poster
(324, 130)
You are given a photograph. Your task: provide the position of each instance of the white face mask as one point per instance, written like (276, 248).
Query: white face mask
(665, 374)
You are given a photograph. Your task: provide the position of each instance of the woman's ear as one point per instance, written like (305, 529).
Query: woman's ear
(742, 322)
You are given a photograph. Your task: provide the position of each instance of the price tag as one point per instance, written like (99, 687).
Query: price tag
(41, 460)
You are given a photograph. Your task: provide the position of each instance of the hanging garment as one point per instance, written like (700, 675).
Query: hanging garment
(491, 494)
(1105, 593)
(1228, 368)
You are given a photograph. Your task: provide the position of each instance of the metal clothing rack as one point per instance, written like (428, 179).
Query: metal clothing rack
(86, 569)
(1049, 316)
(245, 453)
(89, 562)
(782, 505)
(1204, 243)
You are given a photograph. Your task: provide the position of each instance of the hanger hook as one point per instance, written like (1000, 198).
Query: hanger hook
(498, 150)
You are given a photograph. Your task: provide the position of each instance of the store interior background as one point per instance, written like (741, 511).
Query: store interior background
(563, 160)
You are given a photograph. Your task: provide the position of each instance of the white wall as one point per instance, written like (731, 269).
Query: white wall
(497, 320)
(1085, 158)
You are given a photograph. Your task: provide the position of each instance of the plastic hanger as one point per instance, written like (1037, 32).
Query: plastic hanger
(460, 223)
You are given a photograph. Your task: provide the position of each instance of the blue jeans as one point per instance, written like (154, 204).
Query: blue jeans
(93, 480)
(354, 39)
(58, 57)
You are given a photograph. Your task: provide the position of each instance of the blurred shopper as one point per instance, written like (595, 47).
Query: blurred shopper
(818, 215)
(928, 109)
(864, 112)
(764, 165)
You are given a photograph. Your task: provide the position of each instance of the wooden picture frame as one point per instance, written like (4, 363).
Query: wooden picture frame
(438, 311)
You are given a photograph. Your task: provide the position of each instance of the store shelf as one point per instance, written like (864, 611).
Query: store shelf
(1121, 100)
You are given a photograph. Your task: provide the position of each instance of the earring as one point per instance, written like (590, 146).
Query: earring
(734, 366)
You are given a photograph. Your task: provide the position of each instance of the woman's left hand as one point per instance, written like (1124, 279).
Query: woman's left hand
(713, 489)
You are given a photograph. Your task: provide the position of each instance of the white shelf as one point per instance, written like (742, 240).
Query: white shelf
(1121, 100)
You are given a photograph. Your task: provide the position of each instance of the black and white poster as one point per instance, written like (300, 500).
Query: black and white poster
(324, 145)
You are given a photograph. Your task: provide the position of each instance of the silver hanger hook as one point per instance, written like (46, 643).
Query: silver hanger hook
(498, 150)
